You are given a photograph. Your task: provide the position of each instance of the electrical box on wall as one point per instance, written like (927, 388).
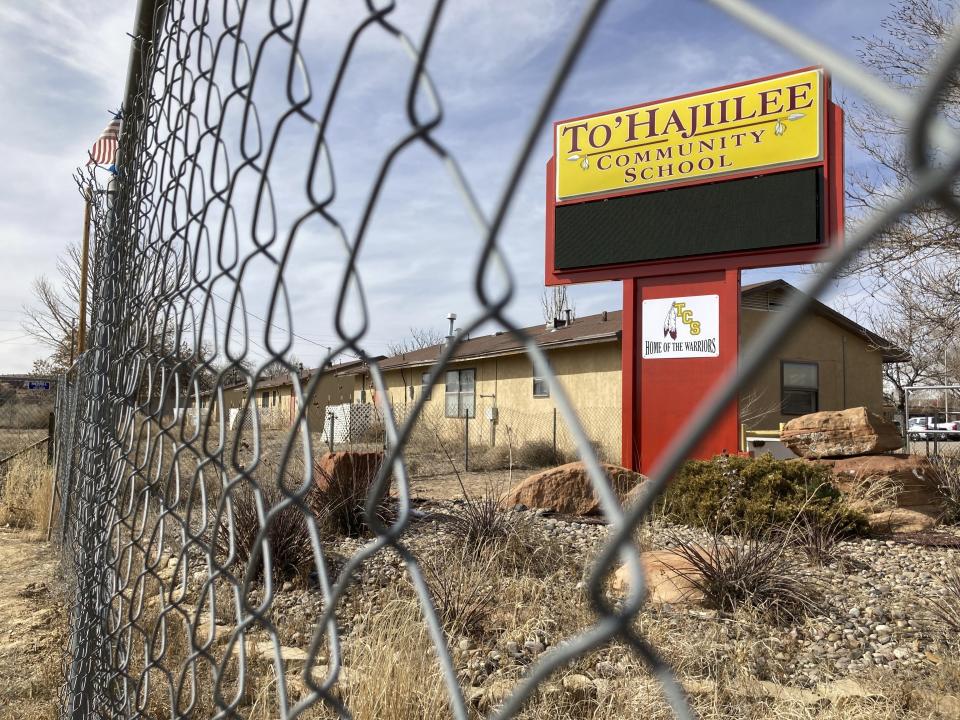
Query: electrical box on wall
(491, 413)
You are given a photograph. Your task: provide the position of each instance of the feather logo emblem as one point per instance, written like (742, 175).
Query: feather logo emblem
(685, 315)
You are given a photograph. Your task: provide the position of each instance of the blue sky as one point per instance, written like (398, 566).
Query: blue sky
(65, 63)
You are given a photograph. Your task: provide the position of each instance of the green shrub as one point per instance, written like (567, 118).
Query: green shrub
(749, 495)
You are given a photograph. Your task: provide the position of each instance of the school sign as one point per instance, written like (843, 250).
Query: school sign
(674, 198)
(771, 123)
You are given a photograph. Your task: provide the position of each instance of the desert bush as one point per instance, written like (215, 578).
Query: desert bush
(480, 522)
(291, 552)
(463, 587)
(751, 571)
(25, 490)
(484, 458)
(538, 454)
(945, 608)
(749, 495)
(946, 473)
(341, 506)
(818, 536)
(874, 493)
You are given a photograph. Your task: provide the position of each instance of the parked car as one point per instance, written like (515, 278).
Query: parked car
(928, 428)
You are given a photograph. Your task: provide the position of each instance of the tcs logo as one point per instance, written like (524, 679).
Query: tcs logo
(685, 315)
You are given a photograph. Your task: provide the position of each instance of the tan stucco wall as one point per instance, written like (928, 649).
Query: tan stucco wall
(850, 373)
(330, 390)
(590, 374)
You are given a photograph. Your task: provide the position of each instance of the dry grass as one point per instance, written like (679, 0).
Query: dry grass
(873, 493)
(26, 491)
(946, 472)
(945, 609)
(393, 673)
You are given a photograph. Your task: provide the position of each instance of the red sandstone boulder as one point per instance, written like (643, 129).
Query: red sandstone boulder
(879, 484)
(840, 433)
(902, 520)
(912, 475)
(345, 469)
(567, 489)
(670, 576)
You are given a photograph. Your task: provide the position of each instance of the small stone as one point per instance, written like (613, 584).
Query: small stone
(606, 669)
(901, 653)
(579, 686)
(512, 648)
(287, 586)
(465, 644)
(534, 647)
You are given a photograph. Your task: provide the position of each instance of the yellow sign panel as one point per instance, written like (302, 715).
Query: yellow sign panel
(768, 123)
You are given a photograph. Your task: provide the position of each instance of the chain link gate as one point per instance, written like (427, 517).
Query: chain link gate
(150, 493)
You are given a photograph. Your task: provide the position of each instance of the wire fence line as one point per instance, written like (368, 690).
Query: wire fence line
(150, 495)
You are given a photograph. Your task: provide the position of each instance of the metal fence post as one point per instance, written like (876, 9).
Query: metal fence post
(50, 428)
(466, 441)
(554, 434)
(333, 421)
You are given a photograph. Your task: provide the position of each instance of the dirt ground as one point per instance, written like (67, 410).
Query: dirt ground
(32, 627)
(446, 486)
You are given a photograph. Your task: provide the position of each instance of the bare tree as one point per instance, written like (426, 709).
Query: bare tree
(52, 317)
(282, 368)
(754, 408)
(926, 341)
(922, 249)
(418, 339)
(555, 302)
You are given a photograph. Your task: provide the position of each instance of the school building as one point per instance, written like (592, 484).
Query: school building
(829, 362)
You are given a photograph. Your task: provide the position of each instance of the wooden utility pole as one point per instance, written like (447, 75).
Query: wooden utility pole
(73, 339)
(84, 263)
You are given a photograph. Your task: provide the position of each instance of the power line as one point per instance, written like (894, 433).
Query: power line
(296, 335)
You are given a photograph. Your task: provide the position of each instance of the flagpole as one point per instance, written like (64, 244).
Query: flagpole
(84, 263)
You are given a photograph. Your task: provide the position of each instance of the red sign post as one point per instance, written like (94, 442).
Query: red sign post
(675, 198)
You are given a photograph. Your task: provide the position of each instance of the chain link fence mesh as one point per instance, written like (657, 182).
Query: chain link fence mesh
(170, 497)
(25, 407)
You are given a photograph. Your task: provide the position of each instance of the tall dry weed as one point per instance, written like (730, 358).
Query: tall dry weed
(393, 672)
(25, 491)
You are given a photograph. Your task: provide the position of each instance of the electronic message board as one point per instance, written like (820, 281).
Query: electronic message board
(741, 176)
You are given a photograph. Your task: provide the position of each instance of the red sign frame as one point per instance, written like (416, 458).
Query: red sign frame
(830, 165)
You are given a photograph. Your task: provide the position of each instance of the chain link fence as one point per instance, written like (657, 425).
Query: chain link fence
(26, 406)
(169, 507)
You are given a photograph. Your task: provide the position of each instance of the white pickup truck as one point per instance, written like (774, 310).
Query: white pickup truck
(927, 428)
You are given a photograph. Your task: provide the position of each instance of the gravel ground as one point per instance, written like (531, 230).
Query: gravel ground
(875, 615)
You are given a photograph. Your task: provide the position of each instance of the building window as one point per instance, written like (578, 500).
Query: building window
(274, 398)
(459, 394)
(799, 388)
(540, 387)
(265, 398)
(425, 383)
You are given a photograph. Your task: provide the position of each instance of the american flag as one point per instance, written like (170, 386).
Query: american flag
(104, 151)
